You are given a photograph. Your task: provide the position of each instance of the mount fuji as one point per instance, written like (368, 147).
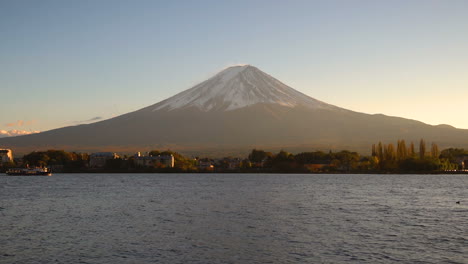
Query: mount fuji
(236, 110)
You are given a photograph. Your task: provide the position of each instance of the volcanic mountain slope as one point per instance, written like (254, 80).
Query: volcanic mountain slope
(239, 108)
(239, 87)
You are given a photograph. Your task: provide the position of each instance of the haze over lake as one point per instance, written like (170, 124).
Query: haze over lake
(233, 218)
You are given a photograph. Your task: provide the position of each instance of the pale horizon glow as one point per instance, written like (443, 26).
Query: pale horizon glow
(66, 63)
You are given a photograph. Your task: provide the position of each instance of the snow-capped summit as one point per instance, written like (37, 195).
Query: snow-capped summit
(238, 87)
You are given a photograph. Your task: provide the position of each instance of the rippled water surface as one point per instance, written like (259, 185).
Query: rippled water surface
(233, 218)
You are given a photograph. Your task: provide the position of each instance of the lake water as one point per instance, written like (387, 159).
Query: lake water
(234, 218)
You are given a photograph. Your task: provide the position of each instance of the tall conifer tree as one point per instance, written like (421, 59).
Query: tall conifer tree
(401, 150)
(411, 151)
(380, 152)
(391, 154)
(422, 149)
(434, 150)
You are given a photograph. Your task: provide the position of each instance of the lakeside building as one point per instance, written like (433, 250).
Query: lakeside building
(260, 164)
(150, 161)
(463, 162)
(99, 159)
(6, 155)
(206, 164)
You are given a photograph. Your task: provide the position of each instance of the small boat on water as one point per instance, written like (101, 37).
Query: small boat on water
(29, 172)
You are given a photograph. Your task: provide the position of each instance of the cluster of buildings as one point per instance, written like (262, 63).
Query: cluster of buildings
(99, 160)
(147, 161)
(206, 164)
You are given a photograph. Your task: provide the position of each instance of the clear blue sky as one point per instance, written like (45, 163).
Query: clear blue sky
(65, 62)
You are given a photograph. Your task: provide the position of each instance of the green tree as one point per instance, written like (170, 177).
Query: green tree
(389, 162)
(283, 156)
(411, 151)
(434, 151)
(317, 157)
(401, 150)
(36, 158)
(346, 160)
(452, 157)
(284, 162)
(389, 152)
(380, 153)
(420, 165)
(258, 156)
(452, 154)
(422, 149)
(181, 163)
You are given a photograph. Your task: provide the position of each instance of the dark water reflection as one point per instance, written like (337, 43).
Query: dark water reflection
(233, 218)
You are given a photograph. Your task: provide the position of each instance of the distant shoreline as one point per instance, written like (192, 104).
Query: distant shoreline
(269, 173)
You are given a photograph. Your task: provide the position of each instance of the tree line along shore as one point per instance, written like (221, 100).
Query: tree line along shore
(384, 158)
